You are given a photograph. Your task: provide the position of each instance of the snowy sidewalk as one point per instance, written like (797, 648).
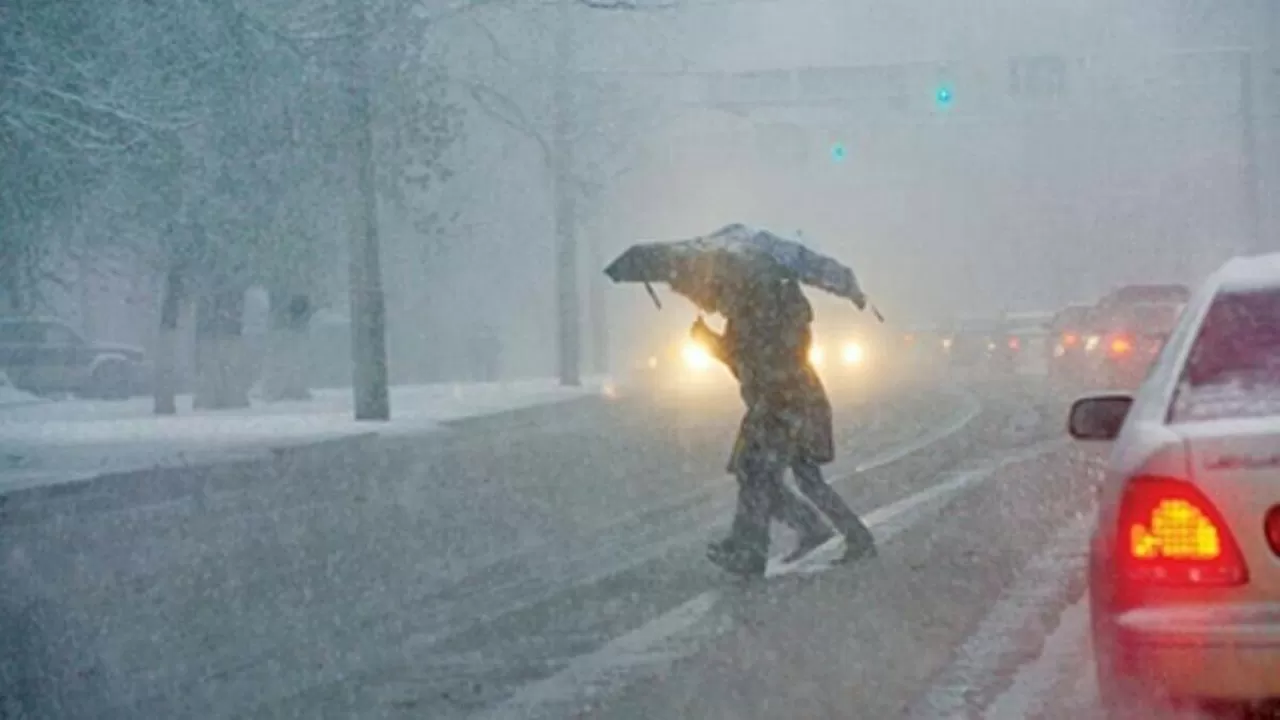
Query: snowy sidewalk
(54, 442)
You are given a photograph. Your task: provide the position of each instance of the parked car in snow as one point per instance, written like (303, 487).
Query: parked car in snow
(45, 356)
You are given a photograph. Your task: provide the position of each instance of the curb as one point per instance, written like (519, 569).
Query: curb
(524, 415)
(168, 481)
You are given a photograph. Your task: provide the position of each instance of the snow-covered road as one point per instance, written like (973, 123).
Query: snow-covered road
(548, 564)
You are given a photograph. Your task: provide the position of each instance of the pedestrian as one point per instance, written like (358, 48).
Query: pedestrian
(787, 421)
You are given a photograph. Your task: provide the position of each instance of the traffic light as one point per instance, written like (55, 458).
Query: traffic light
(838, 152)
(943, 96)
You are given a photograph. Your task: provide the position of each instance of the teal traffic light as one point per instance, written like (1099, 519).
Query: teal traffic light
(943, 96)
(838, 153)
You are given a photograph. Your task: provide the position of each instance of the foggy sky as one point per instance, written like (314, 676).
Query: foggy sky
(996, 204)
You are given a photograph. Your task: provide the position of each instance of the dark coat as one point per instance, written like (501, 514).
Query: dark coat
(766, 345)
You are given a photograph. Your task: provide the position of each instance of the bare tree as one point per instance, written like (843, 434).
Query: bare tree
(578, 158)
(70, 112)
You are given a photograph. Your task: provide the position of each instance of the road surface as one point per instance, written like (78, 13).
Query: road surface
(549, 564)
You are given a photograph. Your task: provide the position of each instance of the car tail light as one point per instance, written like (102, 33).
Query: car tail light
(1120, 346)
(1013, 343)
(1070, 340)
(1272, 527)
(1171, 534)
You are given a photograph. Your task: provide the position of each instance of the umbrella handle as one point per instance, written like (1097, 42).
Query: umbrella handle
(654, 295)
(876, 311)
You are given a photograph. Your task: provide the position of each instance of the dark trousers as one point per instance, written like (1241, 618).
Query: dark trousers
(763, 496)
(809, 480)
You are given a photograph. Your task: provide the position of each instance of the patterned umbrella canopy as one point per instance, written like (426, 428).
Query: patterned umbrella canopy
(737, 254)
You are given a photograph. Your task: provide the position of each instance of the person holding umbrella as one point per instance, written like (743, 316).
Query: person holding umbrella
(788, 421)
(752, 279)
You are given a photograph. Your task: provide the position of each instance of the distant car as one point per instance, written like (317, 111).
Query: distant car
(980, 344)
(1068, 332)
(845, 351)
(919, 344)
(837, 353)
(679, 362)
(1129, 338)
(46, 356)
(1184, 560)
(1131, 294)
(1026, 342)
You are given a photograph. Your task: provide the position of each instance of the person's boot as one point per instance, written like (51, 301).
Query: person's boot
(809, 542)
(723, 547)
(733, 558)
(860, 545)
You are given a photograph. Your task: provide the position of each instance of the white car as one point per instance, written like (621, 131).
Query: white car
(1184, 562)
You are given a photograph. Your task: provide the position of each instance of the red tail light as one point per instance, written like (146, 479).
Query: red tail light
(1070, 340)
(1013, 343)
(1120, 345)
(1170, 534)
(1272, 527)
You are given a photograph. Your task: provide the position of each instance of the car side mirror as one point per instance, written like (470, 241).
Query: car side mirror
(1098, 417)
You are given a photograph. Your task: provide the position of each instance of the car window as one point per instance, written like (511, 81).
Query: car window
(1233, 368)
(1069, 319)
(1152, 317)
(59, 335)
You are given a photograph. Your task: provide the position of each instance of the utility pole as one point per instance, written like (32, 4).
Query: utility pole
(368, 306)
(1249, 157)
(596, 310)
(567, 311)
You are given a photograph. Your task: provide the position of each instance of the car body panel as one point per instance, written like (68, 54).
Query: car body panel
(45, 355)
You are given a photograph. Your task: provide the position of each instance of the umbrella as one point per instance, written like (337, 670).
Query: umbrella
(740, 251)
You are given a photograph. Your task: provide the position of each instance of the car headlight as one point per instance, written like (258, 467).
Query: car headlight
(1091, 343)
(816, 355)
(852, 354)
(696, 356)
(653, 362)
(946, 343)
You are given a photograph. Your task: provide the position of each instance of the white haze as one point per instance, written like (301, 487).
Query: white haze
(987, 209)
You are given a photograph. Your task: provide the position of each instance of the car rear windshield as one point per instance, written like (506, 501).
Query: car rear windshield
(1233, 370)
(1152, 317)
(1070, 318)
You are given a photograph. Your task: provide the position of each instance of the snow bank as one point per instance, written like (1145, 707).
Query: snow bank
(10, 395)
(53, 442)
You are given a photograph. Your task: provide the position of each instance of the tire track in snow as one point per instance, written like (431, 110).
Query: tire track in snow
(1058, 682)
(1013, 632)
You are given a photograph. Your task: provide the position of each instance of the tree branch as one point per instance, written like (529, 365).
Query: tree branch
(456, 9)
(505, 110)
(493, 41)
(84, 103)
